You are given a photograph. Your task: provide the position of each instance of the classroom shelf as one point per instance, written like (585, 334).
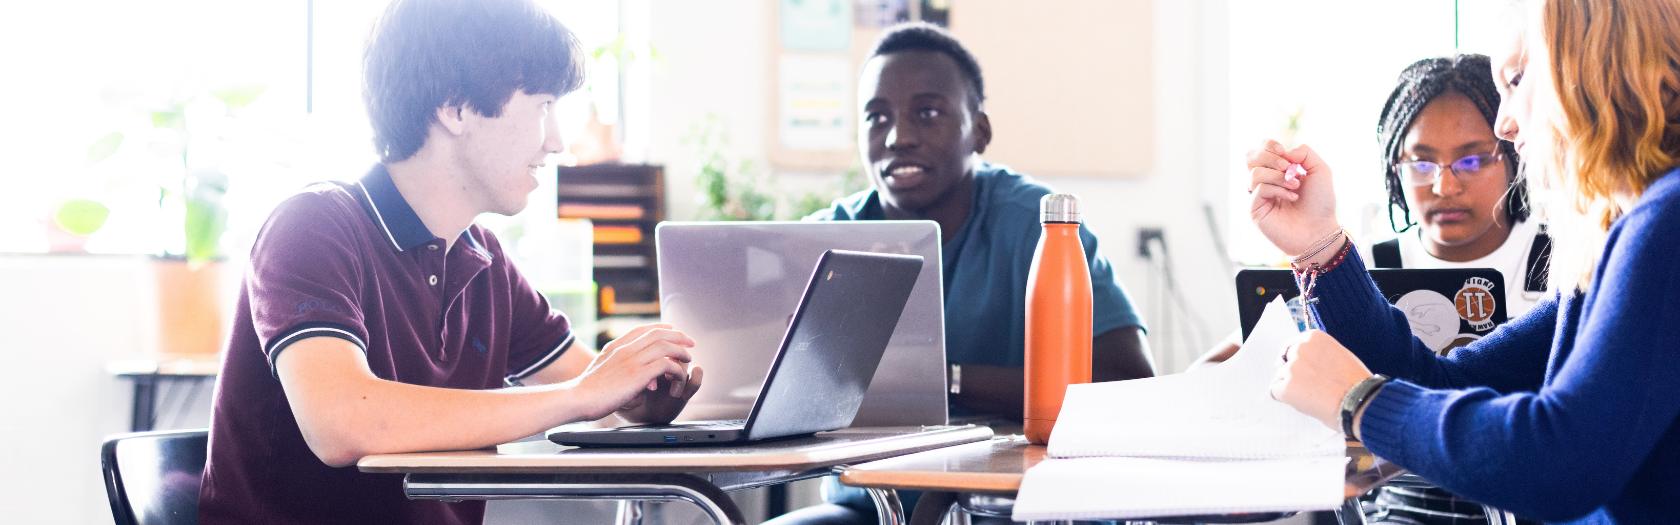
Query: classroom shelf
(624, 202)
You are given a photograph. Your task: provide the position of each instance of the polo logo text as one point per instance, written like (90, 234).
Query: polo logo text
(311, 305)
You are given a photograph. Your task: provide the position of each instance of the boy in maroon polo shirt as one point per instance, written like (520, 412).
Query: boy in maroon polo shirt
(376, 318)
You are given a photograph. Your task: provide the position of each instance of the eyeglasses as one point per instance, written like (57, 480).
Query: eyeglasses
(1426, 172)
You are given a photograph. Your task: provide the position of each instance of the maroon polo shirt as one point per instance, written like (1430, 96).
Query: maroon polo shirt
(352, 261)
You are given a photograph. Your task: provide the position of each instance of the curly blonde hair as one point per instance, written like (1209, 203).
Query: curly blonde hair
(1614, 124)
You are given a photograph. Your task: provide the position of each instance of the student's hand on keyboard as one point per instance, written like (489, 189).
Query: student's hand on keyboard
(634, 367)
(661, 404)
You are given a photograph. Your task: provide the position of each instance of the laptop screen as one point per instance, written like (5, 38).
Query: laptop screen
(1447, 308)
(834, 343)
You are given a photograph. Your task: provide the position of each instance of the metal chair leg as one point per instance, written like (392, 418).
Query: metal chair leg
(888, 509)
(957, 516)
(1350, 513)
(630, 512)
(934, 508)
(1498, 517)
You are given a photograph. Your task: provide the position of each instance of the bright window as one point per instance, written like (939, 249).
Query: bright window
(117, 101)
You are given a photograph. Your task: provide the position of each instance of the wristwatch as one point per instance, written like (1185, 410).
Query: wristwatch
(953, 377)
(1356, 398)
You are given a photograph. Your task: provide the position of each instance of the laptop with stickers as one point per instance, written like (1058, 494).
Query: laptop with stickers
(1447, 308)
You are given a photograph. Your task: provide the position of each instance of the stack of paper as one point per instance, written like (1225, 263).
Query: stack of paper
(1211, 441)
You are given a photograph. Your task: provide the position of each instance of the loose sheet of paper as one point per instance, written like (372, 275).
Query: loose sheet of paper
(1224, 411)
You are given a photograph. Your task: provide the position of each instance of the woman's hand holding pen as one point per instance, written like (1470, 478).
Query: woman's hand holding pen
(1293, 200)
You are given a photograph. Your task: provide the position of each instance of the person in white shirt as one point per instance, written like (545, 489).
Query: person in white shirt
(1452, 191)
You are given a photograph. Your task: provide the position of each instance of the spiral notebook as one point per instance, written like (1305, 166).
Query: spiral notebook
(1210, 441)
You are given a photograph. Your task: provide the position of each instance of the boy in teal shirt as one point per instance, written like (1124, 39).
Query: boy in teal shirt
(921, 134)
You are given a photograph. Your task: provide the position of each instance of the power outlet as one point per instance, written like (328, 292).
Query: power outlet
(1147, 235)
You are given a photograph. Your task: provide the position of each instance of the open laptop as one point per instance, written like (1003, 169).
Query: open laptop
(829, 352)
(730, 285)
(1447, 308)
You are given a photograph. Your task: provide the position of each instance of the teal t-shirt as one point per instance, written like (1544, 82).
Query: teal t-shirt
(986, 265)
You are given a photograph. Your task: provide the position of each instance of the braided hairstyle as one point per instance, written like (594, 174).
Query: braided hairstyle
(1421, 83)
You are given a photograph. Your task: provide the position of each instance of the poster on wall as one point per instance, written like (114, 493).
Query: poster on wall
(816, 25)
(814, 111)
(877, 14)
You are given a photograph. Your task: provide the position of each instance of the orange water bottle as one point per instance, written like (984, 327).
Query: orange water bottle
(1058, 344)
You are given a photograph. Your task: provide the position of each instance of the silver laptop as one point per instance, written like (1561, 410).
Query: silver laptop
(730, 285)
(830, 350)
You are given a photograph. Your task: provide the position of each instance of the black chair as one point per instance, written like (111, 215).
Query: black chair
(152, 478)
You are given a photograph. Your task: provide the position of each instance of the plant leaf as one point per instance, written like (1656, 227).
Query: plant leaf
(238, 96)
(168, 118)
(105, 147)
(205, 222)
(81, 216)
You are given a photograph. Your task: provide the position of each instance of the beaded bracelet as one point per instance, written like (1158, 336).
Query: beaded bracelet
(1319, 246)
(1306, 280)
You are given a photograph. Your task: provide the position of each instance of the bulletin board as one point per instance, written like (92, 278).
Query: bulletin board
(817, 48)
(1069, 84)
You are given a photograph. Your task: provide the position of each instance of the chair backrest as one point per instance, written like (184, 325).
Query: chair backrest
(153, 477)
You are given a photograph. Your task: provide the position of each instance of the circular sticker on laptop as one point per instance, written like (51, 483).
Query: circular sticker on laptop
(1432, 316)
(1475, 303)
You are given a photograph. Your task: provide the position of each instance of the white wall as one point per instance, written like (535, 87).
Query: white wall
(62, 319)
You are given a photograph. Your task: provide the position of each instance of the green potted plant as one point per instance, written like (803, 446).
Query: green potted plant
(200, 190)
(189, 275)
(729, 191)
(736, 191)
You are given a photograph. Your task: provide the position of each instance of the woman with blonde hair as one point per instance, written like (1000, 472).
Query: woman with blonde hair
(1569, 413)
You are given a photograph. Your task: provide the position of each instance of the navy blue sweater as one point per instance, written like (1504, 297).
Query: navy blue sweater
(1567, 414)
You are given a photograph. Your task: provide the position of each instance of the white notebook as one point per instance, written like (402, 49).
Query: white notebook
(1130, 488)
(1211, 441)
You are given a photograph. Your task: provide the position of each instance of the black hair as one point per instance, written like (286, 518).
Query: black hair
(427, 54)
(1421, 83)
(922, 36)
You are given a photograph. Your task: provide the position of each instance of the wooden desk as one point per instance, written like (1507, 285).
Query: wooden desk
(147, 374)
(700, 474)
(983, 478)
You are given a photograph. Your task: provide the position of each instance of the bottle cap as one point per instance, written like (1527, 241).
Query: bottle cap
(1058, 207)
